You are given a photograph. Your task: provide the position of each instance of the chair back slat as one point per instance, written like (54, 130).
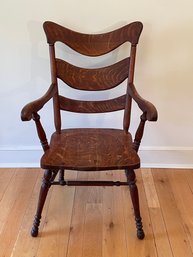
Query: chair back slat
(78, 106)
(93, 44)
(93, 79)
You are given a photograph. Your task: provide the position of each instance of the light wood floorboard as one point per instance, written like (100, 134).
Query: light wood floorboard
(97, 221)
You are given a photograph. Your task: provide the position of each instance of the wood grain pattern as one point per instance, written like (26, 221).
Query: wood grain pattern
(178, 181)
(92, 242)
(60, 212)
(172, 215)
(155, 212)
(5, 178)
(86, 149)
(7, 204)
(114, 240)
(93, 44)
(114, 213)
(150, 190)
(93, 79)
(31, 246)
(135, 247)
(91, 149)
(78, 106)
(76, 236)
(12, 211)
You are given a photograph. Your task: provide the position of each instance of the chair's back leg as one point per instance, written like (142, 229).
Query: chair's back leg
(130, 174)
(61, 177)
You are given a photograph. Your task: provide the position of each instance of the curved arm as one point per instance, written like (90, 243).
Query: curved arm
(146, 107)
(35, 106)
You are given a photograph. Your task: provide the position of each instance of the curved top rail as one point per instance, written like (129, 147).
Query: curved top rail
(93, 44)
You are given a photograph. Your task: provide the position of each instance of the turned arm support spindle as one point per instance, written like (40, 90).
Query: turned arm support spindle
(139, 132)
(40, 131)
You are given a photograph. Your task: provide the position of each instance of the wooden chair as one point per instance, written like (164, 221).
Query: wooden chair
(91, 149)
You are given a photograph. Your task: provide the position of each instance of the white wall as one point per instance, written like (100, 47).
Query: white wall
(164, 72)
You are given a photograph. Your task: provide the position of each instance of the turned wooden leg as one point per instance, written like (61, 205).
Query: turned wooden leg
(61, 177)
(46, 183)
(130, 174)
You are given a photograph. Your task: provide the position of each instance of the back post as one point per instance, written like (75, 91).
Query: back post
(127, 112)
(57, 116)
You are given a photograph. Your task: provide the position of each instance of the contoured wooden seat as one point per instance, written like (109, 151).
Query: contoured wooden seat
(91, 149)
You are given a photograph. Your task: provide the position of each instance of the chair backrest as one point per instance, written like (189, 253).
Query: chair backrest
(103, 78)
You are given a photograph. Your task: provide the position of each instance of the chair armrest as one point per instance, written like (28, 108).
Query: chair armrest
(146, 107)
(35, 106)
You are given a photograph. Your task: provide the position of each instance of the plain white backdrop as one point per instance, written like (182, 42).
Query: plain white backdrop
(164, 73)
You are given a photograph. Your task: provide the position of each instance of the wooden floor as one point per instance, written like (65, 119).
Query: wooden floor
(97, 221)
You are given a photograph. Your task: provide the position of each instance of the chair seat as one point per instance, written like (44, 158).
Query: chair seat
(90, 150)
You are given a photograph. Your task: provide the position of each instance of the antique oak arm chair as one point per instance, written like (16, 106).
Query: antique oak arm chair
(91, 149)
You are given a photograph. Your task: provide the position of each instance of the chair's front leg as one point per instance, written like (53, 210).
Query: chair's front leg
(49, 176)
(130, 174)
